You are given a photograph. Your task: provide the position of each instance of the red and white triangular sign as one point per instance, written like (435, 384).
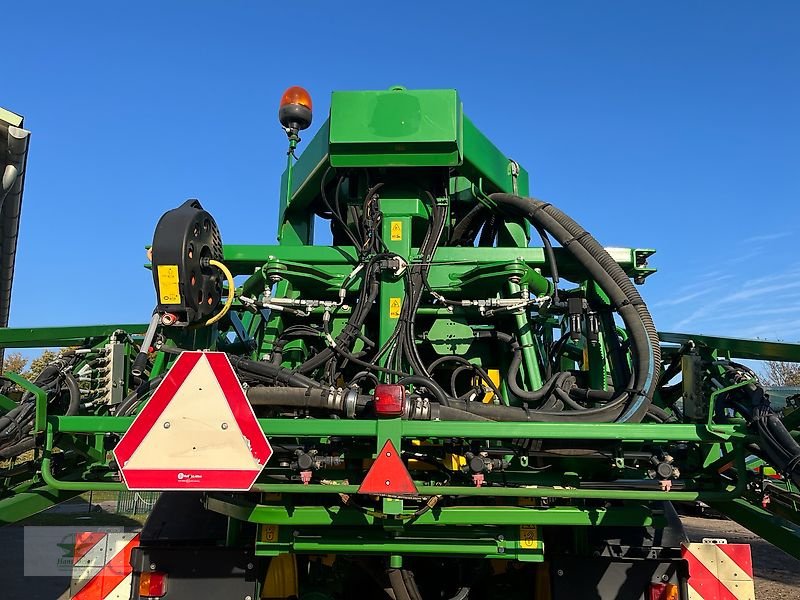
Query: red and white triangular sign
(197, 432)
(388, 475)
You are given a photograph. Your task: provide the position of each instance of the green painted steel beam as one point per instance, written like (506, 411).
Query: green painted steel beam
(245, 259)
(776, 530)
(42, 337)
(455, 515)
(462, 546)
(26, 502)
(483, 161)
(477, 540)
(522, 492)
(632, 432)
(738, 347)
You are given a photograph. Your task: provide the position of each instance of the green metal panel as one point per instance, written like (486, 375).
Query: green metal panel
(396, 128)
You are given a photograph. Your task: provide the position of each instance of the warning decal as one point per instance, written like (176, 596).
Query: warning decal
(168, 284)
(396, 231)
(394, 307)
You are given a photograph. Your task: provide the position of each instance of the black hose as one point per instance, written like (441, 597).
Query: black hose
(623, 294)
(429, 384)
(74, 394)
(551, 259)
(463, 361)
(455, 414)
(466, 229)
(131, 400)
(273, 372)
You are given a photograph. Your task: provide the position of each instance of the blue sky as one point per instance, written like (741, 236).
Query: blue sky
(666, 125)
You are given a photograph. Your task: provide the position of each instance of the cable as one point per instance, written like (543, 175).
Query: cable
(231, 291)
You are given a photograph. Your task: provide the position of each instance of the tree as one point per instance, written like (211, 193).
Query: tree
(14, 362)
(39, 363)
(782, 373)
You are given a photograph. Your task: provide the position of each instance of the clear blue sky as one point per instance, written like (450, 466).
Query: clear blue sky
(672, 125)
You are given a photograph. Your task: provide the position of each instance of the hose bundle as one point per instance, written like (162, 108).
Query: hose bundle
(627, 405)
(776, 444)
(16, 426)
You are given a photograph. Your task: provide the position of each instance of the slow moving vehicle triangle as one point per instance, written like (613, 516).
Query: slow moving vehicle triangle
(197, 432)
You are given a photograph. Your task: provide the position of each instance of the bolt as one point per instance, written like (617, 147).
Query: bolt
(560, 572)
(501, 537)
(248, 597)
(152, 566)
(501, 550)
(166, 424)
(387, 482)
(296, 533)
(665, 577)
(249, 565)
(224, 425)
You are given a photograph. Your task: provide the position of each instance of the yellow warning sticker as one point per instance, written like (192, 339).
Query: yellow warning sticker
(394, 307)
(396, 231)
(528, 536)
(168, 290)
(269, 533)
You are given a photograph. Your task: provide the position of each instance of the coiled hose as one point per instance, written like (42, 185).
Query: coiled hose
(629, 405)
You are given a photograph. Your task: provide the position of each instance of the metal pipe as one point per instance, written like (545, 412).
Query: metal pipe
(639, 432)
(525, 335)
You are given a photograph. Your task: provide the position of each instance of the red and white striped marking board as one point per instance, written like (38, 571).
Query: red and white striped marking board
(719, 571)
(101, 566)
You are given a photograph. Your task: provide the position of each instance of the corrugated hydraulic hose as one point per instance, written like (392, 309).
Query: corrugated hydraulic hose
(630, 405)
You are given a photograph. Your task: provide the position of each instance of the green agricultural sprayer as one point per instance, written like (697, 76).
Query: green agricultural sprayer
(463, 395)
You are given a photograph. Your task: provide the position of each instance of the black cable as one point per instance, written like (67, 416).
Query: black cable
(463, 361)
(335, 213)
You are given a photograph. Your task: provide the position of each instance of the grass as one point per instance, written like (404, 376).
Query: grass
(95, 519)
(100, 496)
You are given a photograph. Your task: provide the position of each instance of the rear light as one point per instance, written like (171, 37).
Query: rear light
(153, 585)
(664, 591)
(389, 400)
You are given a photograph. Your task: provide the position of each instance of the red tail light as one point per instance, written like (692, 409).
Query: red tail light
(389, 400)
(153, 585)
(664, 591)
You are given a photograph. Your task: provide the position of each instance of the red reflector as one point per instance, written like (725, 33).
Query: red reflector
(389, 400)
(153, 584)
(388, 475)
(663, 591)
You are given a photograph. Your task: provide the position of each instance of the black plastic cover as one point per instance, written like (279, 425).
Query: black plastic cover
(186, 238)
